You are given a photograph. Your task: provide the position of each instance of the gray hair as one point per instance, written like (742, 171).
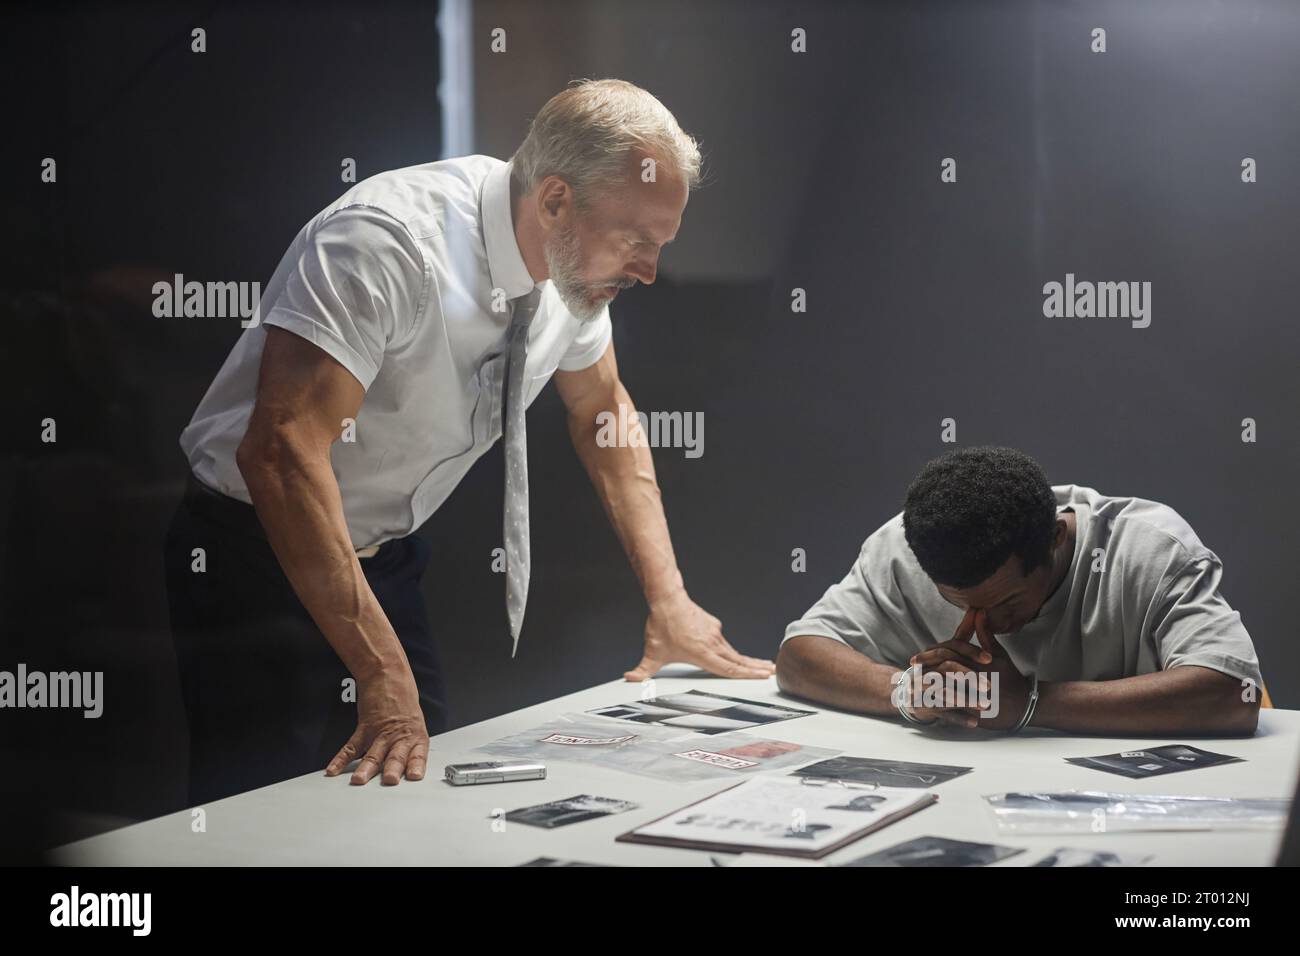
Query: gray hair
(584, 135)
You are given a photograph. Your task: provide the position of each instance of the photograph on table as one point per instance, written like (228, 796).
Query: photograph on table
(862, 803)
(701, 712)
(1171, 758)
(661, 753)
(561, 813)
(885, 773)
(578, 738)
(698, 757)
(1093, 811)
(937, 851)
(780, 815)
(1069, 856)
(552, 861)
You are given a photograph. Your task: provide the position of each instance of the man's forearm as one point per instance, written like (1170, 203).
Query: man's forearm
(828, 672)
(299, 504)
(624, 479)
(1180, 700)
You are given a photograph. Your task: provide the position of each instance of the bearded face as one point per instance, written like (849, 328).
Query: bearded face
(613, 240)
(567, 267)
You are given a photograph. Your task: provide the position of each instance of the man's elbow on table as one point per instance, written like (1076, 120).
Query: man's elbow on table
(801, 667)
(1231, 718)
(1225, 705)
(790, 669)
(1236, 717)
(1215, 702)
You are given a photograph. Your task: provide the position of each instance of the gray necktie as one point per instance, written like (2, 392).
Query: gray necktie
(516, 442)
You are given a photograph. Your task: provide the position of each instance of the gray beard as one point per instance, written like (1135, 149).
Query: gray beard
(564, 263)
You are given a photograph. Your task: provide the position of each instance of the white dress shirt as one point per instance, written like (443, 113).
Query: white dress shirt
(405, 280)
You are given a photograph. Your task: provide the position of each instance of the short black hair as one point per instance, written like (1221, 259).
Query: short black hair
(968, 511)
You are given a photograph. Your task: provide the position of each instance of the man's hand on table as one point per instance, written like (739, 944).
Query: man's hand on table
(390, 733)
(680, 631)
(959, 655)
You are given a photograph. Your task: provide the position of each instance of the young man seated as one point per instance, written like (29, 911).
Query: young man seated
(1093, 614)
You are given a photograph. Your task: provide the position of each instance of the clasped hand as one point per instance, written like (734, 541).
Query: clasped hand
(1000, 692)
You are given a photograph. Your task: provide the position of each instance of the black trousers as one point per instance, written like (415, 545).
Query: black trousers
(264, 692)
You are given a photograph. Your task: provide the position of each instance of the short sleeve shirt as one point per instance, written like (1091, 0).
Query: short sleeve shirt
(1142, 594)
(406, 280)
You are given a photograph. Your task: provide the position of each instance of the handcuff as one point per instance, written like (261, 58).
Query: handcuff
(901, 703)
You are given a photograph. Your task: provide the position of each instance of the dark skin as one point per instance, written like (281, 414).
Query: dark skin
(1182, 700)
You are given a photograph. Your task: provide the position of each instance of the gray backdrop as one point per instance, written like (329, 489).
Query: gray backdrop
(924, 303)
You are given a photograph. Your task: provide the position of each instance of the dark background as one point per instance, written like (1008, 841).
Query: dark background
(925, 302)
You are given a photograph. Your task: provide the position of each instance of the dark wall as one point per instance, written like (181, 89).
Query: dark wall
(924, 302)
(168, 161)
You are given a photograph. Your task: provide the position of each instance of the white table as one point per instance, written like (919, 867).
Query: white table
(314, 820)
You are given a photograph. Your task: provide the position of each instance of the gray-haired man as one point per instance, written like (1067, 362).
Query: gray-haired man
(417, 316)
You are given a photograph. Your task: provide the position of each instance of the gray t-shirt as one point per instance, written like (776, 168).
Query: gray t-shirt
(1141, 595)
